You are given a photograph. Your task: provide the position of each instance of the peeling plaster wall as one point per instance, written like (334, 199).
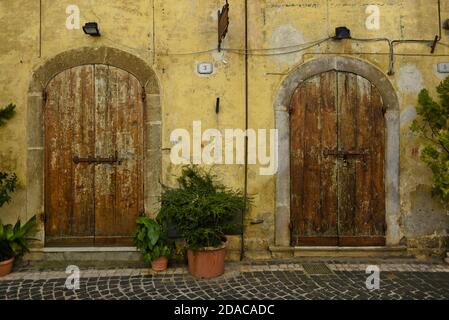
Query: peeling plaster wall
(161, 31)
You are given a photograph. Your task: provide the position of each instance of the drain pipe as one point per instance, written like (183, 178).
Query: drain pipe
(242, 244)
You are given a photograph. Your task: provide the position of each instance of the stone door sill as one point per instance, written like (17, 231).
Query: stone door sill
(393, 251)
(84, 249)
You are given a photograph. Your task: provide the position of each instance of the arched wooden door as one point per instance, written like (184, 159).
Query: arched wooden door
(94, 141)
(337, 162)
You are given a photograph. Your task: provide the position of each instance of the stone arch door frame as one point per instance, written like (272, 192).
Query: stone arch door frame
(35, 121)
(392, 147)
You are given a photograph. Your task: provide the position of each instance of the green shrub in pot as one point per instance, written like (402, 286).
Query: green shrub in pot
(201, 209)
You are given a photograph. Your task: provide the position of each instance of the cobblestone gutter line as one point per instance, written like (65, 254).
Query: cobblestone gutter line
(231, 269)
(277, 285)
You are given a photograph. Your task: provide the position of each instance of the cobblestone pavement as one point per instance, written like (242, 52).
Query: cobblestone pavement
(269, 280)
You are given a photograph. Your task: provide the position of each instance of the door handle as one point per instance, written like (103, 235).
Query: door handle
(111, 160)
(98, 160)
(89, 159)
(345, 153)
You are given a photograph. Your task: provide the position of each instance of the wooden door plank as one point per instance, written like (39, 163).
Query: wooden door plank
(328, 174)
(130, 146)
(313, 127)
(363, 166)
(378, 223)
(362, 241)
(346, 179)
(105, 174)
(119, 187)
(56, 224)
(362, 213)
(83, 146)
(297, 120)
(312, 221)
(69, 241)
(67, 198)
(112, 241)
(318, 241)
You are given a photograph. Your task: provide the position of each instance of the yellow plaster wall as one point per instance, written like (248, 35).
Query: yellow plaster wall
(169, 34)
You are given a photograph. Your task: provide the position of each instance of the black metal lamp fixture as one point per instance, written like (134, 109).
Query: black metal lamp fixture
(342, 33)
(91, 28)
(446, 25)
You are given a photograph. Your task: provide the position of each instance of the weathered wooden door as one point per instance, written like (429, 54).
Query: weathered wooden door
(337, 162)
(94, 118)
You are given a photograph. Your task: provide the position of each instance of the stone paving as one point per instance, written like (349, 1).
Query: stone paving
(246, 280)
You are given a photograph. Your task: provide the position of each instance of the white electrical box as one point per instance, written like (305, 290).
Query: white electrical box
(205, 68)
(443, 67)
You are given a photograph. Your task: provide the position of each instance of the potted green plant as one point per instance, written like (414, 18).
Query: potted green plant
(151, 240)
(14, 242)
(202, 211)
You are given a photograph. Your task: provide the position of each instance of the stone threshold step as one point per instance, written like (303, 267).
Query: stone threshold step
(84, 254)
(97, 254)
(85, 249)
(393, 251)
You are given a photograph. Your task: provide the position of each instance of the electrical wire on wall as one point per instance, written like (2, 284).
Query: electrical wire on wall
(40, 28)
(308, 45)
(285, 50)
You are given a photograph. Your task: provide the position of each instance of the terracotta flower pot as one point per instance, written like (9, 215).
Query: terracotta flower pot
(6, 267)
(160, 264)
(207, 263)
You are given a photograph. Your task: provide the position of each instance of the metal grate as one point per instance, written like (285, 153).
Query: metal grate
(316, 269)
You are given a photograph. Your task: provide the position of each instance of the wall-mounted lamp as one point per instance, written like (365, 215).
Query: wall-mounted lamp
(91, 28)
(342, 33)
(446, 25)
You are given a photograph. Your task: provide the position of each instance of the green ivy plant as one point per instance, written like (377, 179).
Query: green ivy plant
(14, 239)
(432, 125)
(7, 113)
(151, 239)
(8, 181)
(201, 209)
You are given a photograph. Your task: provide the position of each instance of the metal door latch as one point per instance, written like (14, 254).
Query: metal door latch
(98, 160)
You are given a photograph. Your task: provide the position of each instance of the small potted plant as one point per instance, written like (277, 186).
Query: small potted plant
(202, 211)
(13, 243)
(151, 239)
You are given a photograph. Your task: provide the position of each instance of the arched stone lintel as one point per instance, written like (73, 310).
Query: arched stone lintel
(338, 63)
(100, 55)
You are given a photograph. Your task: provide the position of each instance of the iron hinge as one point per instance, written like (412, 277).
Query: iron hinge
(44, 96)
(141, 213)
